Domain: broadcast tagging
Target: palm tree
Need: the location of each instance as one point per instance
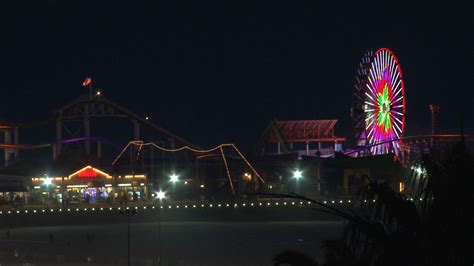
(429, 224)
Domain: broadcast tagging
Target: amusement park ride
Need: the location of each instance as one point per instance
(72, 124)
(378, 103)
(378, 111)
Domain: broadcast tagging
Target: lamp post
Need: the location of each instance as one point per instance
(161, 196)
(174, 178)
(128, 212)
(48, 182)
(297, 175)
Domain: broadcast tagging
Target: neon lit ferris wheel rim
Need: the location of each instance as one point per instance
(379, 105)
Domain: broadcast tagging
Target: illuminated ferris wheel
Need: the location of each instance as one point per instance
(378, 102)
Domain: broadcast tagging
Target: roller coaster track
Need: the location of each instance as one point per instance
(436, 137)
(45, 145)
(101, 108)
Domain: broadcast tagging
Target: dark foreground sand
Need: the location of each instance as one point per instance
(213, 238)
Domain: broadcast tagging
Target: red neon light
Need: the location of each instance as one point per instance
(87, 173)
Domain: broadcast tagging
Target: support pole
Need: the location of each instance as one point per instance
(7, 150)
(87, 133)
(55, 151)
(434, 125)
(99, 149)
(307, 148)
(59, 136)
(152, 174)
(227, 170)
(136, 130)
(16, 140)
(133, 148)
(318, 176)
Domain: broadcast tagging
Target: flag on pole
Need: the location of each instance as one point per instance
(87, 82)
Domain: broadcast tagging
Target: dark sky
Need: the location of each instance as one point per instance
(218, 72)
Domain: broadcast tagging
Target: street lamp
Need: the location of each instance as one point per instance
(47, 181)
(174, 178)
(160, 195)
(297, 174)
(128, 212)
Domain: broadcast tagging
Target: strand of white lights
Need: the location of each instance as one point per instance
(235, 205)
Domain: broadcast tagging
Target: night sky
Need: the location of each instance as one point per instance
(218, 72)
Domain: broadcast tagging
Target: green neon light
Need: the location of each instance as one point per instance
(383, 117)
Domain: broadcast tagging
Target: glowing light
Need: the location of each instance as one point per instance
(160, 195)
(247, 176)
(134, 176)
(47, 181)
(418, 170)
(174, 178)
(98, 93)
(382, 93)
(89, 172)
(297, 174)
(401, 186)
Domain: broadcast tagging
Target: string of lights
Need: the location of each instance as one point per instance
(194, 205)
(220, 147)
(169, 207)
